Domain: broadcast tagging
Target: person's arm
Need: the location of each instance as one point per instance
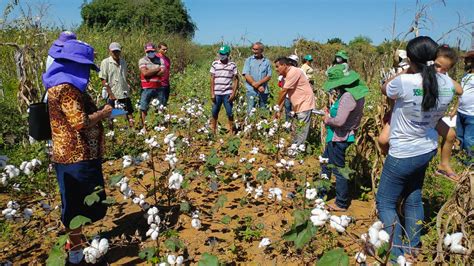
(393, 89)
(346, 105)
(150, 72)
(457, 87)
(384, 86)
(72, 106)
(213, 95)
(280, 102)
(104, 76)
(235, 87)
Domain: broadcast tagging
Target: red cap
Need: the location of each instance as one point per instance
(150, 47)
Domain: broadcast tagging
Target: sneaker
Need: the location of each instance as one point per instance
(76, 256)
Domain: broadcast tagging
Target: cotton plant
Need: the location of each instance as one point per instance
(323, 160)
(254, 150)
(294, 149)
(311, 193)
(171, 159)
(96, 250)
(360, 257)
(145, 156)
(453, 242)
(249, 189)
(402, 261)
(281, 143)
(258, 192)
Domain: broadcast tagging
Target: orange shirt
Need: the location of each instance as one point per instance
(74, 140)
(299, 90)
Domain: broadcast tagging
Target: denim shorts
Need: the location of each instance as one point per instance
(76, 181)
(222, 100)
(162, 94)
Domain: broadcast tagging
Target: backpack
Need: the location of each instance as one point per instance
(39, 126)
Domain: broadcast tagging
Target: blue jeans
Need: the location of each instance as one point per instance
(76, 181)
(465, 132)
(402, 178)
(287, 109)
(262, 100)
(147, 95)
(336, 152)
(216, 107)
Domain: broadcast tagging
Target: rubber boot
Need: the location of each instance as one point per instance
(230, 126)
(213, 125)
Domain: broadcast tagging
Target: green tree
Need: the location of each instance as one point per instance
(361, 39)
(335, 40)
(163, 16)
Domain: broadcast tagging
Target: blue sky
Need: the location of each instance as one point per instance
(279, 22)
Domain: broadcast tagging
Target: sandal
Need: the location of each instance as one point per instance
(334, 207)
(451, 176)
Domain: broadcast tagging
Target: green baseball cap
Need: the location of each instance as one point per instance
(308, 57)
(343, 54)
(225, 49)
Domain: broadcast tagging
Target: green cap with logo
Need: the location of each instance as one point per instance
(225, 49)
(308, 57)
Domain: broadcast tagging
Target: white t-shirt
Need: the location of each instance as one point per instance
(466, 101)
(412, 131)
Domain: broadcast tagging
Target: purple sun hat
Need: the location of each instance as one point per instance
(59, 43)
(77, 51)
(64, 37)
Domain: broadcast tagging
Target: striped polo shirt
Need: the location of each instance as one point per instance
(223, 76)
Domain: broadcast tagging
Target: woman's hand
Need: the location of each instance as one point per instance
(106, 111)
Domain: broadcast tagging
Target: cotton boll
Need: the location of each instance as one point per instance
(123, 187)
(373, 235)
(95, 243)
(196, 223)
(360, 257)
(401, 260)
(171, 259)
(27, 213)
(317, 211)
(311, 193)
(264, 243)
(179, 260)
(345, 220)
(364, 237)
(383, 236)
(337, 226)
(317, 221)
(103, 246)
(335, 219)
(154, 235)
(456, 238)
(378, 225)
(447, 240)
(458, 249)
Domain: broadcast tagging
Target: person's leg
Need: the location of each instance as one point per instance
(448, 136)
(287, 109)
(216, 107)
(166, 95)
(469, 136)
(263, 100)
(161, 95)
(303, 120)
(111, 121)
(342, 183)
(251, 101)
(383, 139)
(145, 99)
(228, 109)
(460, 129)
(129, 108)
(413, 209)
(391, 186)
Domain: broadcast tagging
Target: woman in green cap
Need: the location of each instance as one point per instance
(342, 123)
(307, 69)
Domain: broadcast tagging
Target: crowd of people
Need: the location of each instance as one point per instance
(419, 94)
